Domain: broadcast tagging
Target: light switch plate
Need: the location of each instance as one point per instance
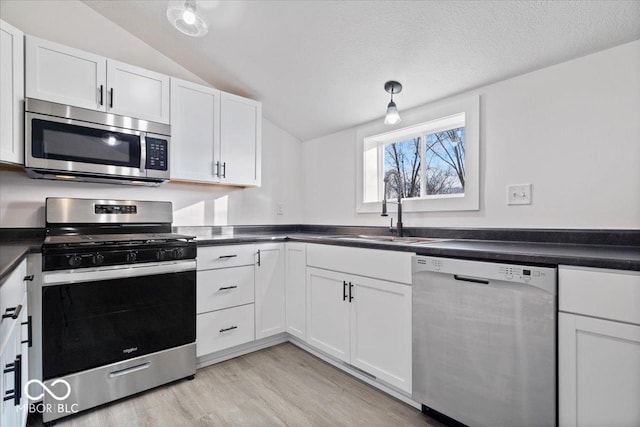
(280, 208)
(519, 194)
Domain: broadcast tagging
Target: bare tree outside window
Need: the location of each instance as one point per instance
(403, 157)
(445, 162)
(444, 169)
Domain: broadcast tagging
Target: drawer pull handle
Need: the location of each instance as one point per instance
(28, 278)
(12, 312)
(227, 256)
(16, 393)
(225, 288)
(230, 328)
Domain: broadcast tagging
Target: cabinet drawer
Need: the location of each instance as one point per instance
(385, 265)
(609, 294)
(222, 329)
(12, 292)
(225, 256)
(223, 288)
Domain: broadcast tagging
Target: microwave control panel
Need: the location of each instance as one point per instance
(157, 154)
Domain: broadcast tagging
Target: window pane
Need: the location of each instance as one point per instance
(445, 162)
(402, 168)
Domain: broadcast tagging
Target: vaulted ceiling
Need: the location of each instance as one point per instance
(319, 66)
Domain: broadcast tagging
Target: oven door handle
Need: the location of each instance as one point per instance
(52, 278)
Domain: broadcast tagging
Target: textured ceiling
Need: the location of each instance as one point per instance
(320, 66)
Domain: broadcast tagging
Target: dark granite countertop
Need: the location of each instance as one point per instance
(13, 250)
(11, 253)
(599, 256)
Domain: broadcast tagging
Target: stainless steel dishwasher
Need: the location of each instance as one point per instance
(484, 341)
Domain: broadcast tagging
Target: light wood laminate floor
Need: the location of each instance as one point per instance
(278, 386)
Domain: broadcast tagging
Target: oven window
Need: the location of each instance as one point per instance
(90, 324)
(62, 141)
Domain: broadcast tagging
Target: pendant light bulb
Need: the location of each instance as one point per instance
(392, 117)
(188, 17)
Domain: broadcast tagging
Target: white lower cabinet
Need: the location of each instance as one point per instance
(14, 349)
(225, 287)
(598, 347)
(328, 312)
(269, 283)
(221, 329)
(295, 289)
(362, 321)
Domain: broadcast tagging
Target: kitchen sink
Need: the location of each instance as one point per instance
(392, 239)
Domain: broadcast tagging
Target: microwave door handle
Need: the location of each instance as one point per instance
(143, 152)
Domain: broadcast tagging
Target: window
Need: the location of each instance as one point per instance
(432, 164)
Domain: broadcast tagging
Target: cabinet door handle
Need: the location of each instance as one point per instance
(230, 328)
(259, 258)
(217, 172)
(111, 98)
(29, 339)
(12, 312)
(350, 290)
(227, 256)
(28, 278)
(225, 288)
(344, 290)
(101, 94)
(16, 393)
(224, 169)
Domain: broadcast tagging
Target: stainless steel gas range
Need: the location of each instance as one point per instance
(115, 305)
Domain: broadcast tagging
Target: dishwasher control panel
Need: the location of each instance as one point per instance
(481, 271)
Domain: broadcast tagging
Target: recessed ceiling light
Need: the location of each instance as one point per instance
(184, 16)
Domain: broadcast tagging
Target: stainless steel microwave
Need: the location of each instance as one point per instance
(63, 142)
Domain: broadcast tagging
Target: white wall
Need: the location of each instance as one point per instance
(571, 130)
(74, 24)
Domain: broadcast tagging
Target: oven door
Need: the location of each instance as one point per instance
(63, 144)
(93, 317)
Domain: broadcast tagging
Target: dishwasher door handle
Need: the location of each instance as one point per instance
(470, 279)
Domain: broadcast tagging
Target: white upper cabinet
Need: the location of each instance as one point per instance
(216, 136)
(136, 92)
(195, 132)
(11, 94)
(65, 75)
(69, 76)
(240, 140)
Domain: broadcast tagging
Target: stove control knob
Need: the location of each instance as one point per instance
(75, 260)
(178, 253)
(161, 255)
(97, 259)
(131, 257)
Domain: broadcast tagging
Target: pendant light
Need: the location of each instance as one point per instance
(184, 16)
(392, 117)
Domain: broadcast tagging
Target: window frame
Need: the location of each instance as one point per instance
(421, 121)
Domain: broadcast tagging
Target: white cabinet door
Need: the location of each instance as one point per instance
(599, 372)
(328, 312)
(269, 283)
(22, 341)
(11, 94)
(195, 132)
(136, 92)
(381, 330)
(10, 412)
(61, 74)
(295, 289)
(240, 140)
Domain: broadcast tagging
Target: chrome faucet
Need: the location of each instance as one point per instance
(399, 225)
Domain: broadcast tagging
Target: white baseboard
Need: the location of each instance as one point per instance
(243, 349)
